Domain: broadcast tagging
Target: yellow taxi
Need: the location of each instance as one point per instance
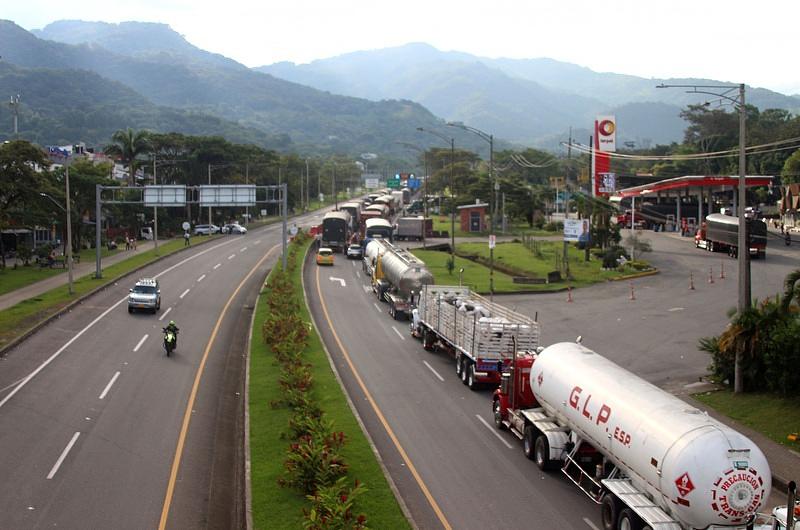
(325, 256)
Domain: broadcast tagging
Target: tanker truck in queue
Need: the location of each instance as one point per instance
(481, 335)
(397, 276)
(721, 233)
(647, 458)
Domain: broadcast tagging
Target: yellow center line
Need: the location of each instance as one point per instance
(187, 415)
(381, 417)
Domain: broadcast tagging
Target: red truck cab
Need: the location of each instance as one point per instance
(514, 391)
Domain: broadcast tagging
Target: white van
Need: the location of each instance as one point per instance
(146, 232)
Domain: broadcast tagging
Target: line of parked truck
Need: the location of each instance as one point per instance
(646, 458)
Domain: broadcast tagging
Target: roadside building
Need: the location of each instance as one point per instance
(473, 216)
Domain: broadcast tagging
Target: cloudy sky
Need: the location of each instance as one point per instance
(751, 42)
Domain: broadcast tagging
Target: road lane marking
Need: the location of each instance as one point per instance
(187, 415)
(242, 249)
(64, 454)
(257, 242)
(366, 288)
(91, 324)
(217, 266)
(398, 333)
(358, 275)
(165, 313)
(493, 431)
(232, 256)
(12, 384)
(673, 309)
(141, 341)
(340, 280)
(377, 307)
(434, 371)
(409, 464)
(184, 293)
(590, 524)
(108, 386)
(200, 279)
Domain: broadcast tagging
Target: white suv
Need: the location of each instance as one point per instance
(146, 294)
(204, 230)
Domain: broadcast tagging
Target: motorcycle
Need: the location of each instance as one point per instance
(170, 341)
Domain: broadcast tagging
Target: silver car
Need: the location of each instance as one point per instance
(146, 294)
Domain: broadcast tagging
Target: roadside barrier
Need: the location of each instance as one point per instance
(711, 275)
(633, 296)
(691, 281)
(721, 270)
(569, 294)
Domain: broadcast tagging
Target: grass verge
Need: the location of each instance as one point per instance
(277, 507)
(19, 319)
(772, 416)
(513, 256)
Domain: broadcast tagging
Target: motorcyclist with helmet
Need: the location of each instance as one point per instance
(172, 327)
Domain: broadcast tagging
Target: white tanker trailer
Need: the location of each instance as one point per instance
(397, 276)
(649, 459)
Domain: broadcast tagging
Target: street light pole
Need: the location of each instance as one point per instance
(495, 189)
(743, 252)
(452, 141)
(69, 232)
(155, 209)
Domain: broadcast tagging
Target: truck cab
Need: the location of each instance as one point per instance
(514, 393)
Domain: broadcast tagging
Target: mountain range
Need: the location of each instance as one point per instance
(83, 80)
(529, 101)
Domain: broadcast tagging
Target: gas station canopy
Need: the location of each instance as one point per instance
(693, 181)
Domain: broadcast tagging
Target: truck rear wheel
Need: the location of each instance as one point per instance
(629, 520)
(465, 364)
(528, 441)
(541, 451)
(609, 512)
(459, 367)
(471, 383)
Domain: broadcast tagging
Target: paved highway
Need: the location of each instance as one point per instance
(452, 468)
(436, 437)
(99, 429)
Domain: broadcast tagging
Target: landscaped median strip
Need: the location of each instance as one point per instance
(311, 465)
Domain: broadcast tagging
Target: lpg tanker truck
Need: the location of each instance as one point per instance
(397, 275)
(482, 336)
(648, 459)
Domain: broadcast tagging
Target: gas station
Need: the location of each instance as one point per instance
(701, 188)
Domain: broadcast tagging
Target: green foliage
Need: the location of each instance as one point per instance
(332, 507)
(611, 255)
(765, 338)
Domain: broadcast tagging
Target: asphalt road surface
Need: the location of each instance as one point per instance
(99, 429)
(450, 465)
(452, 468)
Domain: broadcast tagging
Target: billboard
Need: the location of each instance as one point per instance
(576, 230)
(228, 195)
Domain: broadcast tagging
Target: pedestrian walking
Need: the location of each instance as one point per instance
(127, 242)
(134, 243)
(186, 242)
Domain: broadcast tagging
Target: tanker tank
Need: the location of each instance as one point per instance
(698, 470)
(402, 269)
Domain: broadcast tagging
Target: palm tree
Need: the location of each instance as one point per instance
(127, 145)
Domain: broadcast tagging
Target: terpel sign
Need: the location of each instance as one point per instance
(605, 127)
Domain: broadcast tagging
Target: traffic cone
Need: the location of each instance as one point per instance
(691, 281)
(633, 296)
(569, 294)
(721, 270)
(711, 275)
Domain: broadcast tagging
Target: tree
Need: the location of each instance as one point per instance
(791, 169)
(22, 178)
(127, 146)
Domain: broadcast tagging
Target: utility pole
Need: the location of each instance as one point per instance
(155, 209)
(69, 231)
(308, 183)
(14, 104)
(209, 207)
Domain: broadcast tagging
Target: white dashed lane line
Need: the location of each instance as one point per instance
(377, 307)
(217, 266)
(64, 454)
(493, 431)
(200, 279)
(184, 293)
(432, 369)
(232, 256)
(141, 341)
(398, 333)
(108, 386)
(242, 249)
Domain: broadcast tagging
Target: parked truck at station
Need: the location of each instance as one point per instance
(416, 228)
(721, 233)
(647, 458)
(481, 335)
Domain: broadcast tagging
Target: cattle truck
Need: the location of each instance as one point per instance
(335, 230)
(480, 335)
(647, 458)
(721, 233)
